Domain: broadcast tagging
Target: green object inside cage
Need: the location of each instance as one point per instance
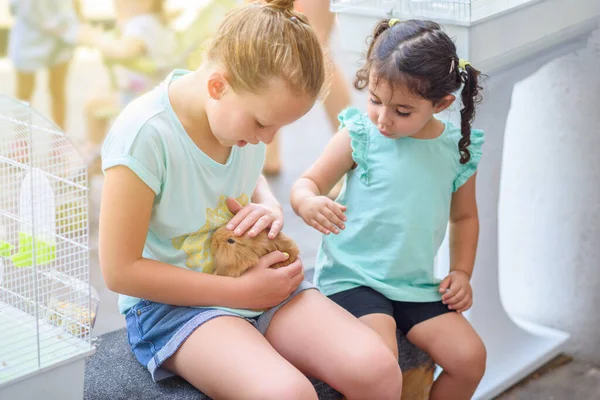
(5, 249)
(44, 252)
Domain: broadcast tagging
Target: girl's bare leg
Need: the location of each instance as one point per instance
(385, 326)
(323, 20)
(272, 158)
(57, 77)
(338, 98)
(227, 358)
(455, 346)
(326, 342)
(25, 85)
(97, 114)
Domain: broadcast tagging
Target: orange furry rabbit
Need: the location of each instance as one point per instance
(233, 255)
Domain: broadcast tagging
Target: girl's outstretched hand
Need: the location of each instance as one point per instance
(255, 217)
(458, 294)
(323, 214)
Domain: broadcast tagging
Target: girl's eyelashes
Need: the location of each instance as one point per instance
(400, 113)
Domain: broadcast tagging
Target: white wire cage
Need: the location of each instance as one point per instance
(461, 12)
(47, 305)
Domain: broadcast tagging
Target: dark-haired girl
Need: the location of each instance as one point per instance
(408, 175)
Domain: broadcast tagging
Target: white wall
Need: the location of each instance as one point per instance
(550, 199)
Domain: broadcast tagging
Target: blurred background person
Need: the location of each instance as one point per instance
(43, 36)
(142, 30)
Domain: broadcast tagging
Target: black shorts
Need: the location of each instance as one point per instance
(363, 301)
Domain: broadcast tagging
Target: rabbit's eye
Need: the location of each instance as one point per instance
(230, 240)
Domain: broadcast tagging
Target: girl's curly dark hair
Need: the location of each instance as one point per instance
(420, 56)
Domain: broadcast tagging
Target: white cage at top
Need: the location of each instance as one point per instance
(461, 12)
(47, 305)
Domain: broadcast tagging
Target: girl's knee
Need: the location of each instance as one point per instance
(478, 358)
(375, 373)
(387, 378)
(469, 361)
(292, 387)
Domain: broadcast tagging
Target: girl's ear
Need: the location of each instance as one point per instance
(216, 85)
(444, 103)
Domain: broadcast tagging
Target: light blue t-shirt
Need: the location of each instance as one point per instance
(190, 187)
(398, 206)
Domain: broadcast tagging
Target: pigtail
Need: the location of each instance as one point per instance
(362, 75)
(470, 96)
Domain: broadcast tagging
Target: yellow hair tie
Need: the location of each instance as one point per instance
(462, 64)
(393, 21)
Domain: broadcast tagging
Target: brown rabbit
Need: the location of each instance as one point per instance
(233, 255)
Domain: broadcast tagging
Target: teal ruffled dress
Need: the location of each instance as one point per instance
(398, 206)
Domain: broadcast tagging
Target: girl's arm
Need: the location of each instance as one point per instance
(322, 176)
(124, 221)
(464, 228)
(308, 193)
(320, 18)
(118, 49)
(263, 194)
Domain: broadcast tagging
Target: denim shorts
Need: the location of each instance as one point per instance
(155, 331)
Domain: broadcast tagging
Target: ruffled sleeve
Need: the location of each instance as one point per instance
(358, 129)
(467, 170)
